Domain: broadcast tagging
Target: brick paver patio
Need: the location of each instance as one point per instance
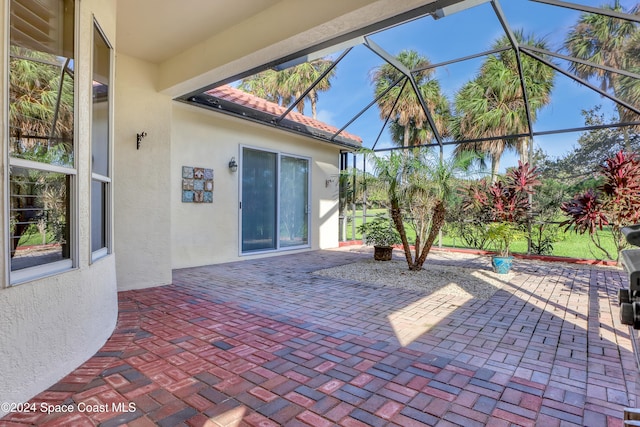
(268, 343)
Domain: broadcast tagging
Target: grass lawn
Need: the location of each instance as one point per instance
(32, 237)
(570, 244)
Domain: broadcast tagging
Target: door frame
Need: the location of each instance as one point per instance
(279, 155)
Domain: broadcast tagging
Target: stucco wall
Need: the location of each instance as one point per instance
(142, 217)
(207, 233)
(51, 325)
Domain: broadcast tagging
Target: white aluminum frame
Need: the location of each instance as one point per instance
(108, 208)
(40, 271)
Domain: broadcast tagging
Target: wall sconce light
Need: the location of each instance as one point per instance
(233, 165)
(139, 137)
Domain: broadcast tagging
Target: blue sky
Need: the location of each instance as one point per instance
(465, 33)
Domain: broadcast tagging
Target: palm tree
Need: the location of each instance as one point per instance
(267, 85)
(41, 122)
(629, 89)
(408, 114)
(416, 135)
(302, 76)
(418, 190)
(493, 105)
(604, 40)
(477, 117)
(41, 103)
(284, 87)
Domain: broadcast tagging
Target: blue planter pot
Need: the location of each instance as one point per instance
(501, 264)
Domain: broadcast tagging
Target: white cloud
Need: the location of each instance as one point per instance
(327, 117)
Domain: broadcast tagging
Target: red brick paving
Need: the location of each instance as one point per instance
(268, 343)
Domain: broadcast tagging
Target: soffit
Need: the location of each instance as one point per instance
(156, 30)
(196, 42)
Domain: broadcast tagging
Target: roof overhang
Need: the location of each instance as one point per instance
(233, 109)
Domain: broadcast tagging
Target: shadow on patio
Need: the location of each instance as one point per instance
(267, 343)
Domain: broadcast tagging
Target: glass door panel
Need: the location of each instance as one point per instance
(259, 196)
(294, 201)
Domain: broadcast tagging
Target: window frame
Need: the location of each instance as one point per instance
(52, 268)
(16, 277)
(105, 180)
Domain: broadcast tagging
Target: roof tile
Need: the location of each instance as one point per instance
(231, 94)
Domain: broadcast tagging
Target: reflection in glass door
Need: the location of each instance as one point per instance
(294, 201)
(259, 192)
(275, 201)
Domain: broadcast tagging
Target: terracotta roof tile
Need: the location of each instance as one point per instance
(239, 97)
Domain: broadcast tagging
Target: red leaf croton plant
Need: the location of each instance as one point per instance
(616, 202)
(503, 207)
(506, 200)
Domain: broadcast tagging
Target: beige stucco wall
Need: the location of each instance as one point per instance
(206, 233)
(142, 181)
(51, 325)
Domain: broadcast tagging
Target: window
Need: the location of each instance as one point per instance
(275, 201)
(100, 142)
(41, 137)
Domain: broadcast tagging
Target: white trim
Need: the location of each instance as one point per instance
(74, 215)
(45, 167)
(100, 253)
(108, 189)
(74, 190)
(101, 178)
(37, 272)
(107, 225)
(6, 233)
(239, 203)
(112, 118)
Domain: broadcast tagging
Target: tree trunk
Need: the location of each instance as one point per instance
(18, 232)
(405, 138)
(313, 96)
(436, 224)
(596, 241)
(524, 150)
(627, 140)
(495, 165)
(300, 104)
(396, 216)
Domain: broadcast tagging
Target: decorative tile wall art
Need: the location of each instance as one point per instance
(197, 185)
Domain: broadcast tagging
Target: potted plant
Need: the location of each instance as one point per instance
(504, 205)
(380, 234)
(502, 235)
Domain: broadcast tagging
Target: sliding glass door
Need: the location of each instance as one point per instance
(259, 194)
(294, 201)
(275, 201)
